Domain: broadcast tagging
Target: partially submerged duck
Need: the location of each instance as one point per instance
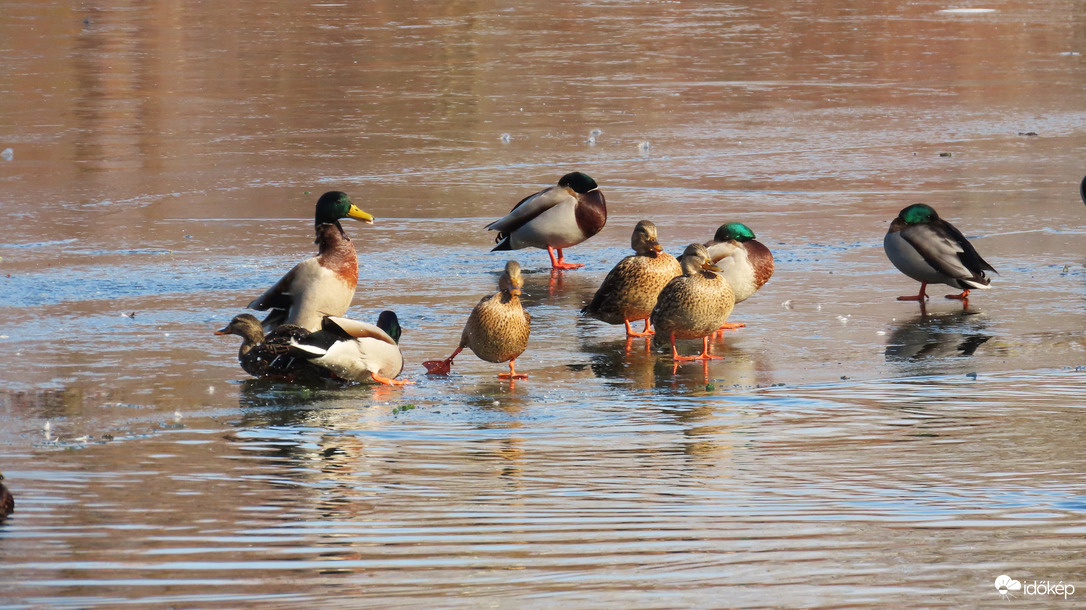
(930, 250)
(497, 329)
(554, 218)
(693, 305)
(323, 285)
(629, 291)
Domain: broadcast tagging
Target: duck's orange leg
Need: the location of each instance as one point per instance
(560, 261)
(387, 381)
(441, 367)
(920, 297)
(964, 296)
(704, 355)
(630, 332)
(513, 374)
(731, 326)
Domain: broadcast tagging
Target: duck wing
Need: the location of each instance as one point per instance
(944, 247)
(347, 328)
(530, 207)
(278, 296)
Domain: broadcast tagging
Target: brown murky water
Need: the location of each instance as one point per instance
(848, 452)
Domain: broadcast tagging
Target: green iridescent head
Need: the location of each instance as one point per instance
(918, 214)
(334, 205)
(388, 322)
(579, 182)
(734, 230)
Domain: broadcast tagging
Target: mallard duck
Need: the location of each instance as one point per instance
(356, 351)
(693, 305)
(554, 218)
(7, 501)
(931, 251)
(629, 291)
(323, 285)
(269, 356)
(497, 329)
(744, 262)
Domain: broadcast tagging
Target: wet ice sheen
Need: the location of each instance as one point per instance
(848, 450)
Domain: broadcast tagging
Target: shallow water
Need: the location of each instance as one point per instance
(849, 451)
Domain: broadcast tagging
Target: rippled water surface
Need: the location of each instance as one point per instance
(850, 450)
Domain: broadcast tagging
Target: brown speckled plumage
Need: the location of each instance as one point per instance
(267, 356)
(7, 501)
(498, 327)
(629, 291)
(695, 304)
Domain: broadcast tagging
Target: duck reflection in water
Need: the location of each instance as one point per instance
(937, 336)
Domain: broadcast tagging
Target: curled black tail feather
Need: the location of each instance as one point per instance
(503, 243)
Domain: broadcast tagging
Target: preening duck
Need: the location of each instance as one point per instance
(324, 284)
(497, 329)
(693, 305)
(356, 351)
(629, 291)
(554, 218)
(930, 250)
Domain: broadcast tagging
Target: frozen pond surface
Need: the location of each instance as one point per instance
(849, 451)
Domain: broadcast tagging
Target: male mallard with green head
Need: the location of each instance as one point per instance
(323, 285)
(744, 262)
(930, 250)
(554, 218)
(693, 305)
(629, 291)
(356, 351)
(497, 329)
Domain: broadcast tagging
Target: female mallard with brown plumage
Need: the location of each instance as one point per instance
(744, 262)
(324, 284)
(629, 291)
(497, 329)
(7, 501)
(693, 305)
(268, 356)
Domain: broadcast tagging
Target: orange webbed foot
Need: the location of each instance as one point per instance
(438, 367)
(388, 381)
(630, 332)
(512, 374)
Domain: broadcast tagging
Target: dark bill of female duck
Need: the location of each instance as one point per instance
(324, 284)
(554, 219)
(930, 250)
